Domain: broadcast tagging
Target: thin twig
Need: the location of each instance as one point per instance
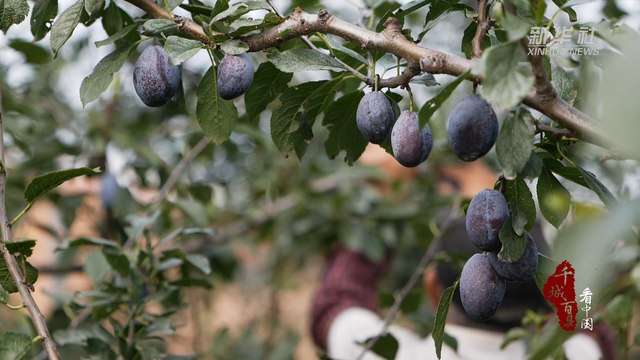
(84, 314)
(483, 27)
(558, 133)
(393, 311)
(12, 265)
(178, 170)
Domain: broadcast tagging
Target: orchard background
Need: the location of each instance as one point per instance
(180, 246)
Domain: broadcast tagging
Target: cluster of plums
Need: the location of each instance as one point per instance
(473, 129)
(156, 81)
(484, 276)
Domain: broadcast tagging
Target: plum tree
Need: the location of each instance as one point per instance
(481, 288)
(235, 75)
(155, 80)
(374, 117)
(473, 128)
(487, 213)
(523, 269)
(410, 147)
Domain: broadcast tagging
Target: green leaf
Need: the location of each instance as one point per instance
(239, 9)
(4, 295)
(546, 268)
(303, 60)
(68, 244)
(467, 40)
(12, 12)
(96, 267)
(516, 191)
(268, 83)
(431, 106)
(154, 27)
(451, 342)
(514, 334)
(345, 50)
(243, 26)
(562, 4)
(563, 83)
(512, 244)
(42, 184)
(425, 79)
(515, 27)
(216, 117)
(43, 12)
(441, 316)
(553, 198)
(203, 283)
(200, 262)
(21, 246)
(93, 6)
(33, 53)
(386, 347)
(72, 337)
(340, 119)
(63, 27)
(532, 168)
(518, 218)
(14, 346)
(6, 282)
(515, 142)
(609, 200)
(169, 4)
(102, 75)
(179, 49)
(551, 339)
(115, 19)
(117, 260)
(507, 74)
(220, 6)
(439, 10)
(568, 172)
(117, 36)
(292, 121)
(234, 47)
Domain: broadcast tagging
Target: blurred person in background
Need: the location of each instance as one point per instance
(345, 311)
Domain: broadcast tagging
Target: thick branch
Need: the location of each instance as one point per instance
(11, 263)
(391, 40)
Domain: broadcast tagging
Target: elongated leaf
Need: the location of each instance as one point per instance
(563, 4)
(64, 26)
(515, 142)
(268, 83)
(72, 337)
(216, 117)
(303, 60)
(517, 191)
(386, 346)
(156, 26)
(33, 53)
(431, 106)
(340, 119)
(199, 261)
(12, 12)
(553, 198)
(343, 49)
(609, 200)
(507, 73)
(14, 346)
(239, 9)
(6, 281)
(563, 83)
(42, 184)
(180, 49)
(512, 244)
(292, 121)
(86, 241)
(234, 47)
(441, 316)
(439, 10)
(102, 75)
(568, 172)
(243, 26)
(93, 6)
(117, 36)
(43, 12)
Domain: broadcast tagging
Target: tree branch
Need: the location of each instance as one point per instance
(483, 27)
(393, 311)
(559, 133)
(391, 40)
(12, 265)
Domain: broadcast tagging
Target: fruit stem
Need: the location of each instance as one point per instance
(408, 88)
(375, 86)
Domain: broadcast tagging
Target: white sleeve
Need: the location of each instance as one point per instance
(582, 347)
(357, 325)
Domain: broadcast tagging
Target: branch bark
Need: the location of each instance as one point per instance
(483, 27)
(12, 265)
(391, 40)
